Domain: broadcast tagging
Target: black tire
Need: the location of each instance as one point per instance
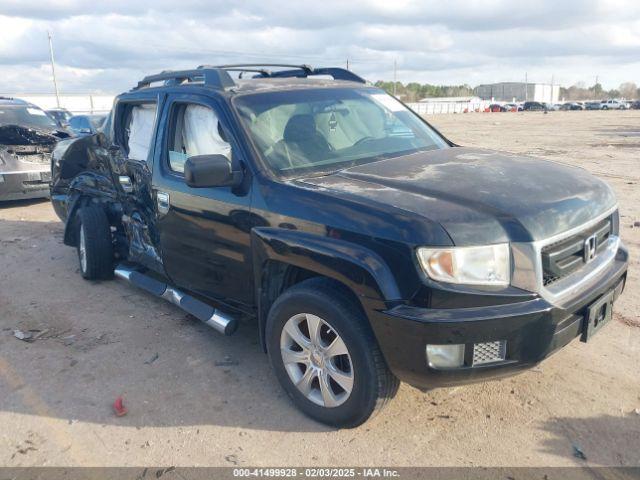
(373, 384)
(98, 244)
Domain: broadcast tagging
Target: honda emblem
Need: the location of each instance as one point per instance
(589, 249)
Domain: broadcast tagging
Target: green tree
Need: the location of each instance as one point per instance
(628, 90)
(597, 91)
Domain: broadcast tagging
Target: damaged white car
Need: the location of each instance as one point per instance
(27, 137)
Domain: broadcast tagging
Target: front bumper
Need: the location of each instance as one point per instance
(24, 185)
(533, 330)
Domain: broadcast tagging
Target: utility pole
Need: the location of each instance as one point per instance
(526, 87)
(395, 78)
(551, 94)
(53, 69)
(347, 64)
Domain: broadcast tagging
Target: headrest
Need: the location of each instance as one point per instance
(299, 128)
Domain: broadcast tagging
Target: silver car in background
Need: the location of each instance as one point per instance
(27, 137)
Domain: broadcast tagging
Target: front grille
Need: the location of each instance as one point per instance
(489, 352)
(40, 154)
(566, 256)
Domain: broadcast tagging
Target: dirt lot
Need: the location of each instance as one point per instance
(196, 398)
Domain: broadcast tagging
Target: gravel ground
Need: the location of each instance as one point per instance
(196, 398)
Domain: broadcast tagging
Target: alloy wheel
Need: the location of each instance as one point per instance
(317, 360)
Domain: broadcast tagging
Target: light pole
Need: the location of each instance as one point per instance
(394, 77)
(53, 69)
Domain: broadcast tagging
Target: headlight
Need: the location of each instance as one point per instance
(486, 265)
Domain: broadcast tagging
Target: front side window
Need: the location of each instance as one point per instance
(196, 131)
(307, 131)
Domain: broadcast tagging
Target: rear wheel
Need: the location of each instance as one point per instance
(325, 355)
(94, 243)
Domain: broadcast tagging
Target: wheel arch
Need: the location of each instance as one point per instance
(282, 258)
(88, 187)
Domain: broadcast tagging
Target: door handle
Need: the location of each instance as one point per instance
(162, 200)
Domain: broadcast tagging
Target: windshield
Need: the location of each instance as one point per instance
(28, 116)
(324, 130)
(88, 122)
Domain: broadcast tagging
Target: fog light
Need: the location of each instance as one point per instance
(445, 356)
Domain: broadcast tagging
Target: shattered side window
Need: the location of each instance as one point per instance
(141, 125)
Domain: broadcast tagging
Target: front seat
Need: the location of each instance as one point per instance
(302, 143)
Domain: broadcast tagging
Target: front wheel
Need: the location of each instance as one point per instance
(325, 355)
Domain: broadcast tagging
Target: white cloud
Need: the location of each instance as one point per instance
(108, 46)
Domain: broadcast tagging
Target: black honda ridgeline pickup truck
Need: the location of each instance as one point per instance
(367, 247)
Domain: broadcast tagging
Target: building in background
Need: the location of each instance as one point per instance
(76, 103)
(519, 92)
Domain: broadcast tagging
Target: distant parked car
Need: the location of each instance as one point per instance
(60, 115)
(572, 106)
(635, 105)
(554, 107)
(613, 104)
(512, 107)
(495, 107)
(593, 105)
(534, 106)
(82, 125)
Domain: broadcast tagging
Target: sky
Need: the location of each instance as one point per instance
(107, 46)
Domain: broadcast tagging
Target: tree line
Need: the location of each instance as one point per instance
(627, 90)
(413, 92)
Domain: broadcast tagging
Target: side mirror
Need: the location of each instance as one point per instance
(210, 171)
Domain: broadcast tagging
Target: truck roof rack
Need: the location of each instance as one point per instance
(217, 76)
(296, 71)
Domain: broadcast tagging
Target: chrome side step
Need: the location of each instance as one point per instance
(207, 314)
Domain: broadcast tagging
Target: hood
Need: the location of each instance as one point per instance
(479, 196)
(23, 135)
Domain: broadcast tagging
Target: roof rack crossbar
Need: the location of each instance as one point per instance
(218, 76)
(243, 66)
(260, 71)
(299, 71)
(335, 72)
(215, 77)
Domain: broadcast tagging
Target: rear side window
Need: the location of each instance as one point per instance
(141, 120)
(196, 131)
